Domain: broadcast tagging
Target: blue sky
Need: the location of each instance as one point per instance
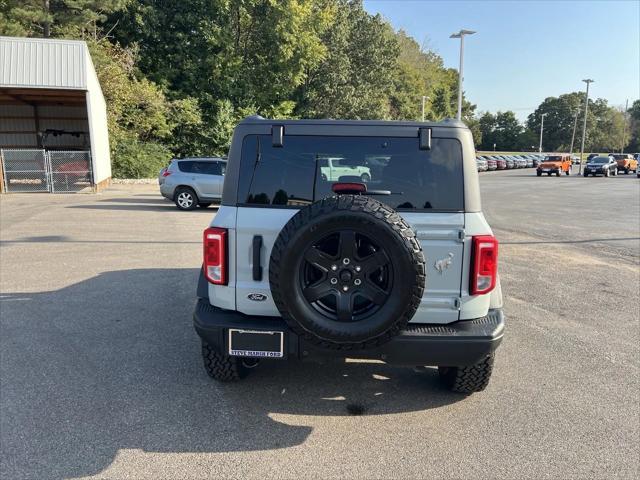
(525, 51)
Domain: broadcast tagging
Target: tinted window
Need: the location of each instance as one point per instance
(297, 173)
(186, 166)
(208, 168)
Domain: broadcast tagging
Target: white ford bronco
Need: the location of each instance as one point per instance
(401, 267)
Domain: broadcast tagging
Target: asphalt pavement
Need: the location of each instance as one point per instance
(101, 373)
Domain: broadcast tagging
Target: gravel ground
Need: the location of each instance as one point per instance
(101, 372)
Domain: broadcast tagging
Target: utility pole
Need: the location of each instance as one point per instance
(573, 135)
(541, 130)
(588, 81)
(461, 35)
(624, 128)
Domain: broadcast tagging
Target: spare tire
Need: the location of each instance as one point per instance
(347, 272)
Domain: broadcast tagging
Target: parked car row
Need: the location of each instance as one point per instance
(611, 164)
(506, 162)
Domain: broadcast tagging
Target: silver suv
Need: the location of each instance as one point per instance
(400, 268)
(190, 182)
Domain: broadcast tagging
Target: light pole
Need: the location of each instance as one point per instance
(584, 123)
(424, 99)
(461, 35)
(541, 130)
(573, 135)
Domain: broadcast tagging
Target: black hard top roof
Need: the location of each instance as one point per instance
(259, 120)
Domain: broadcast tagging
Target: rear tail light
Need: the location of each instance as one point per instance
(484, 264)
(349, 187)
(215, 255)
(166, 173)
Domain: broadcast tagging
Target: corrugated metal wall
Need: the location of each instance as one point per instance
(18, 126)
(47, 65)
(30, 62)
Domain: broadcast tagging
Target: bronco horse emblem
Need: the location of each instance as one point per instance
(442, 265)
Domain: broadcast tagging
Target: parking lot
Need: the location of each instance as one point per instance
(101, 370)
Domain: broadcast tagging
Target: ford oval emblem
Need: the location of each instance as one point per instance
(257, 297)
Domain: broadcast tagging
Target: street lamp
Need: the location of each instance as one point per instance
(541, 130)
(584, 123)
(461, 35)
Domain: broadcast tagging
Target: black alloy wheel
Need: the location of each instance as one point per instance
(346, 276)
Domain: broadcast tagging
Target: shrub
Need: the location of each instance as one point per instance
(132, 158)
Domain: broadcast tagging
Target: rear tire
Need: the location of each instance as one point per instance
(568, 172)
(558, 173)
(539, 174)
(473, 378)
(186, 198)
(585, 174)
(626, 171)
(221, 367)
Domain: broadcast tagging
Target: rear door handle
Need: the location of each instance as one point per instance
(257, 268)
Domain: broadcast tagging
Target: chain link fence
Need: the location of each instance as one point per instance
(70, 171)
(25, 170)
(31, 170)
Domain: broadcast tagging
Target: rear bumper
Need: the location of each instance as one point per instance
(461, 343)
(167, 191)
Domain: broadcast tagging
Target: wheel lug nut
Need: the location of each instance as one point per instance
(358, 268)
(357, 281)
(334, 267)
(345, 288)
(334, 281)
(346, 261)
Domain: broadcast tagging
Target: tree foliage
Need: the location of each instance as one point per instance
(604, 123)
(178, 76)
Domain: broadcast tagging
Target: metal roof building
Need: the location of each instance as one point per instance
(53, 117)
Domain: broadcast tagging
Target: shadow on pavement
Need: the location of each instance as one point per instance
(558, 242)
(66, 239)
(113, 363)
(149, 201)
(146, 206)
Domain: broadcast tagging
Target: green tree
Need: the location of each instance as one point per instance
(633, 127)
(356, 75)
(604, 123)
(501, 129)
(559, 120)
(55, 18)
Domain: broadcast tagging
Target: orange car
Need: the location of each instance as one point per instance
(626, 162)
(556, 163)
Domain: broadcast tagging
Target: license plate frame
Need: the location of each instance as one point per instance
(267, 343)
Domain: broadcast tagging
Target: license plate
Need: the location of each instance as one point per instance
(256, 343)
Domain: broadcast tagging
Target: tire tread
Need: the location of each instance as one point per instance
(468, 379)
(377, 210)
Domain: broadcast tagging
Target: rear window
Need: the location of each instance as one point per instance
(306, 167)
